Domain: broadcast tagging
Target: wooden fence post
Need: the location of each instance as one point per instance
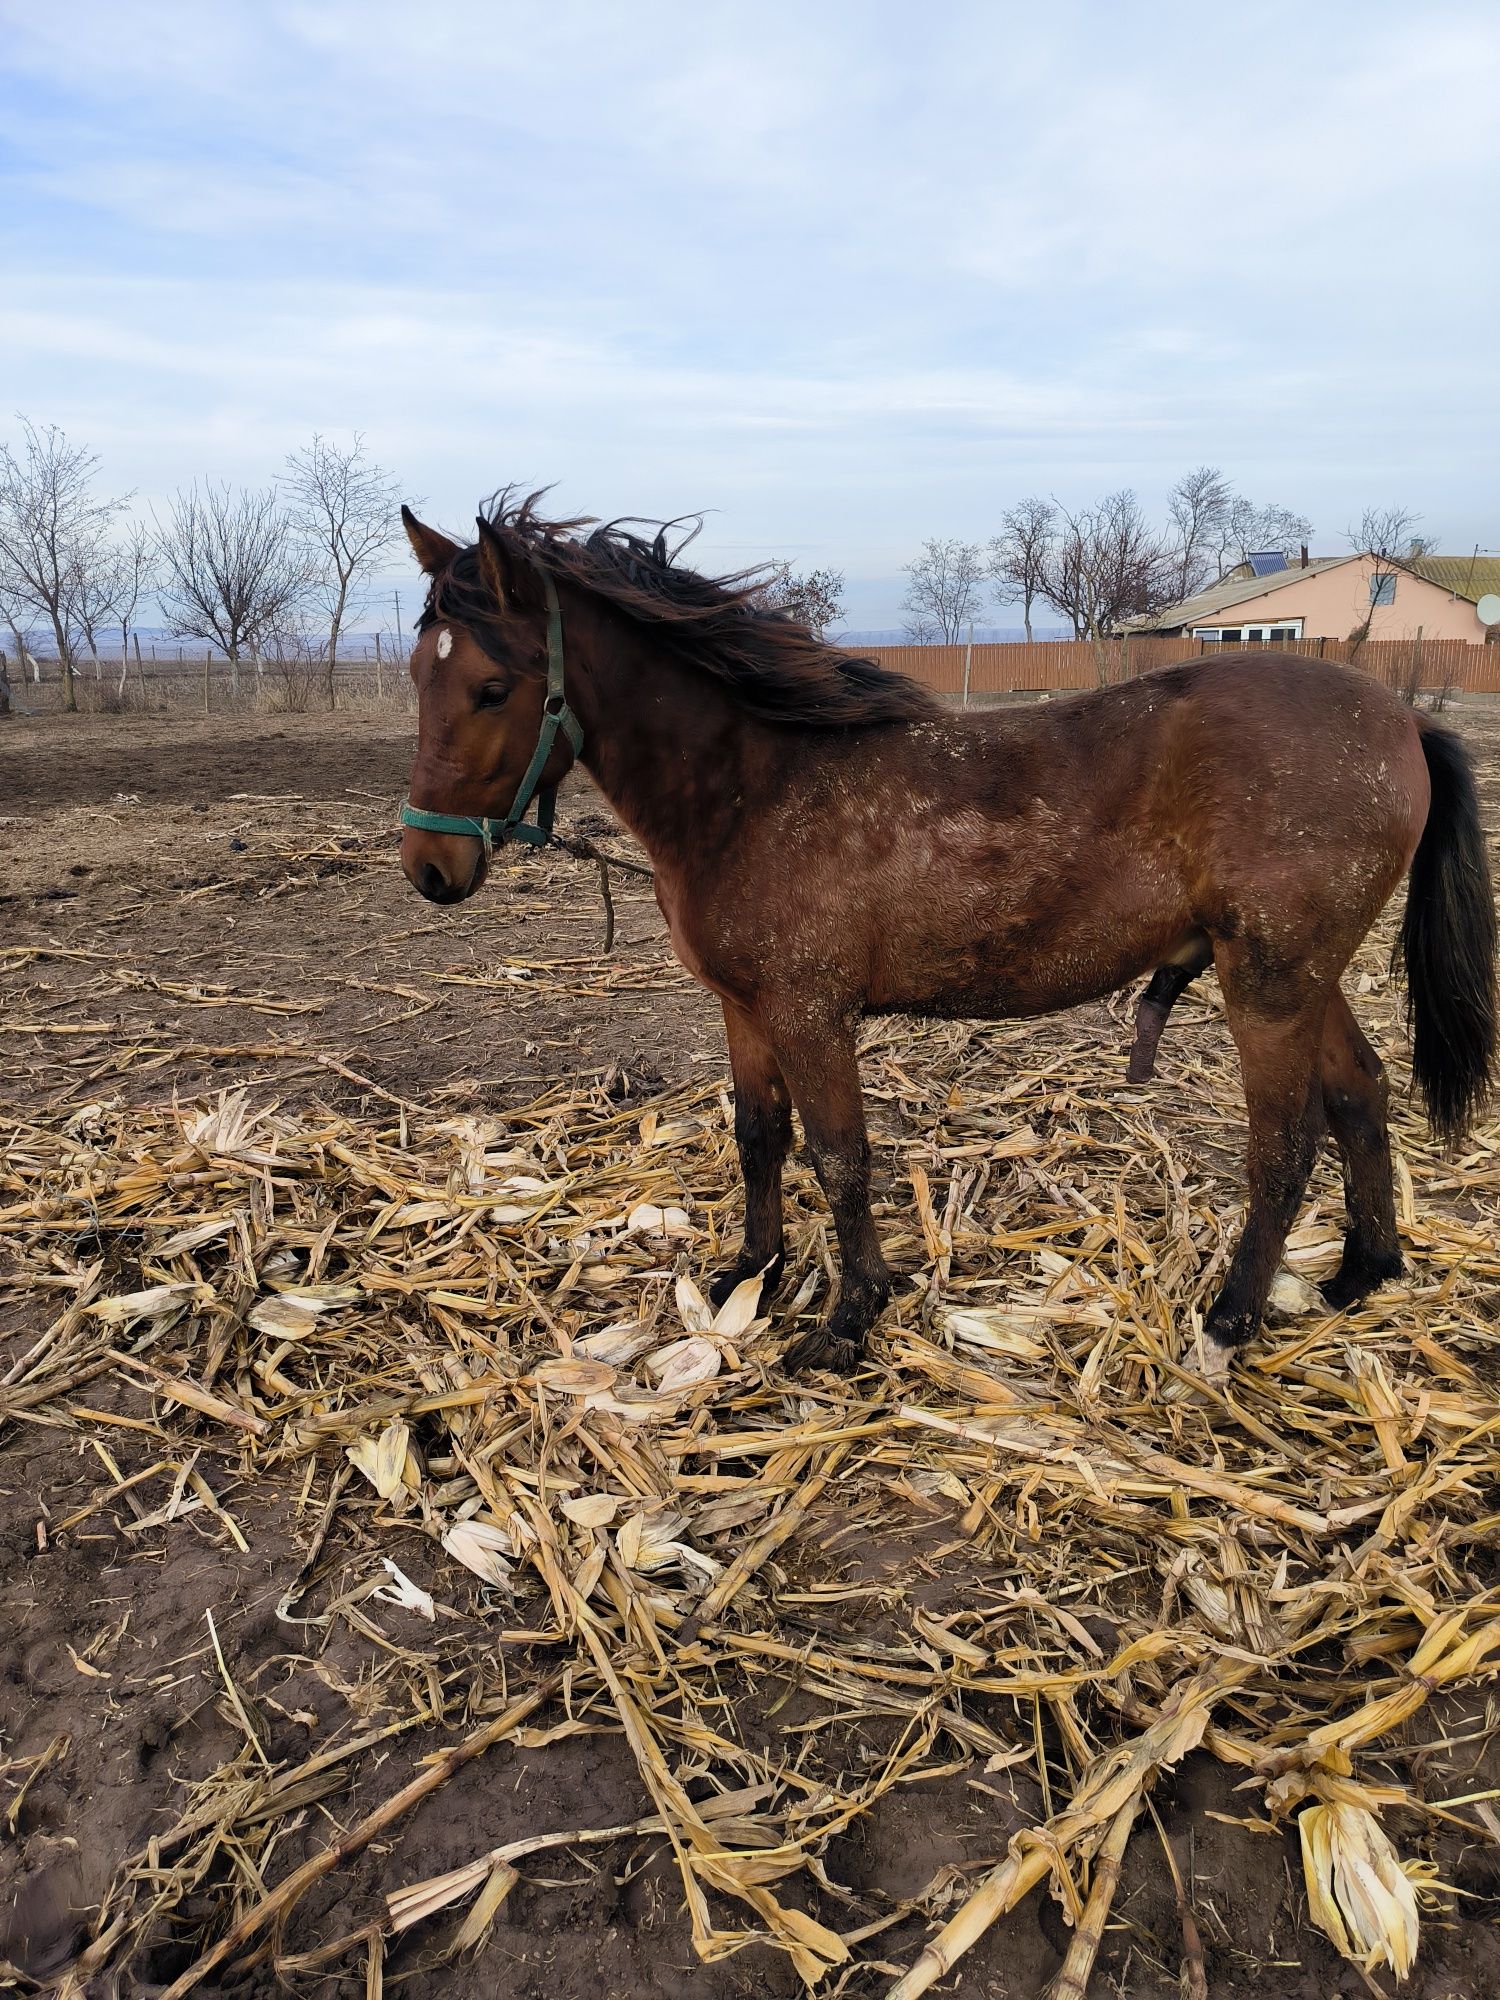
(968, 658)
(379, 672)
(207, 656)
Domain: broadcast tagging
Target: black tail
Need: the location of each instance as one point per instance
(1447, 944)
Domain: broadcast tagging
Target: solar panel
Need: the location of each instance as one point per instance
(1266, 562)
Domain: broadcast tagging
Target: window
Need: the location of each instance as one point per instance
(1251, 635)
(1382, 588)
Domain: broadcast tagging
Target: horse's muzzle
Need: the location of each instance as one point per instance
(444, 870)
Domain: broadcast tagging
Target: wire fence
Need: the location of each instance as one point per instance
(210, 684)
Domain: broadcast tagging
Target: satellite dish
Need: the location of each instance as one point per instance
(1488, 609)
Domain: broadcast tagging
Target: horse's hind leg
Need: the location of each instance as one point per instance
(763, 1133)
(1278, 1031)
(1355, 1096)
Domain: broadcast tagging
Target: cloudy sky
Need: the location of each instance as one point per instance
(845, 275)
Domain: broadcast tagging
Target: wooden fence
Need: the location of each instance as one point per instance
(1062, 664)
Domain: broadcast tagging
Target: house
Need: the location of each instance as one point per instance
(1328, 597)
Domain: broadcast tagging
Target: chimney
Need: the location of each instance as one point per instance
(1304, 555)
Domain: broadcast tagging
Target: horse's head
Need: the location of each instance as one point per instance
(480, 665)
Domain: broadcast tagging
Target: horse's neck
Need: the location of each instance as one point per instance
(668, 748)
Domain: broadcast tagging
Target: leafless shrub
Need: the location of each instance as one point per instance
(102, 697)
(293, 668)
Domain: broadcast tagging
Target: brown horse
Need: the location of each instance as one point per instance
(829, 842)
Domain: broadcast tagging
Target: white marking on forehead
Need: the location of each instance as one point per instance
(445, 643)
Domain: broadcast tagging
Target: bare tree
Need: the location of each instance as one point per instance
(346, 510)
(1019, 554)
(230, 567)
(94, 598)
(10, 612)
(944, 588)
(1108, 564)
(52, 531)
(17, 617)
(1245, 529)
(814, 597)
(1200, 504)
(1385, 533)
(135, 568)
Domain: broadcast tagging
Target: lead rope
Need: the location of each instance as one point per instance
(585, 850)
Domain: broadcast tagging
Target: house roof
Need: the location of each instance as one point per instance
(1472, 577)
(1469, 577)
(1224, 596)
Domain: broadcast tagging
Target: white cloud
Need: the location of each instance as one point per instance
(849, 274)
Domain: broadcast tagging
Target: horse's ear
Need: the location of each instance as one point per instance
(432, 550)
(511, 580)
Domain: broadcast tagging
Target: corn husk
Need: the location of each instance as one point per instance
(1357, 1890)
(1021, 1544)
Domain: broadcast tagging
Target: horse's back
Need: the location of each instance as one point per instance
(1268, 726)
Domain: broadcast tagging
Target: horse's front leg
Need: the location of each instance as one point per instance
(763, 1134)
(823, 1074)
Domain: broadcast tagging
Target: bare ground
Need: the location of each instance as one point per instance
(186, 905)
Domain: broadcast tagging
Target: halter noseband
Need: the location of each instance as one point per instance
(556, 715)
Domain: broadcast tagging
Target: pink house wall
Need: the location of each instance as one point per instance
(1331, 602)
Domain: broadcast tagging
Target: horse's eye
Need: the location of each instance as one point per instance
(494, 694)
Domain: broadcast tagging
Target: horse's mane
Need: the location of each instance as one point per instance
(724, 626)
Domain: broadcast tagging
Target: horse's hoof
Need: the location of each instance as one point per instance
(746, 1267)
(822, 1348)
(1357, 1277)
(1210, 1358)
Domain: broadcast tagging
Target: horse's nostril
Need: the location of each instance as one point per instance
(432, 882)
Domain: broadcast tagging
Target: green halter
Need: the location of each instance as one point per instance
(556, 715)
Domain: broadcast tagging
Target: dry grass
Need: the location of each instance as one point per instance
(490, 1332)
